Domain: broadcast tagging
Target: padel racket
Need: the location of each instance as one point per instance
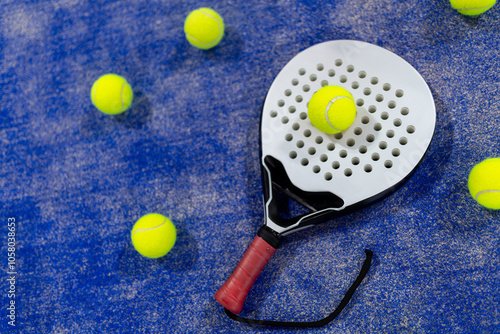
(332, 175)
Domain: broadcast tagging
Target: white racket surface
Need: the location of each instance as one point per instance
(392, 130)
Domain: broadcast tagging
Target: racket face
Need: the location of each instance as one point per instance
(392, 130)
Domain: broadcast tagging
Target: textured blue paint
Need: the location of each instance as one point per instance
(76, 180)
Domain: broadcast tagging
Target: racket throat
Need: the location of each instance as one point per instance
(286, 204)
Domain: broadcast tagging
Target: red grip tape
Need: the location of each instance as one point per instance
(233, 293)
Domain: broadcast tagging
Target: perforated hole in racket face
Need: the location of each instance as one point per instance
(392, 130)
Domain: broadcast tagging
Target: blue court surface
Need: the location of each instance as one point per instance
(73, 180)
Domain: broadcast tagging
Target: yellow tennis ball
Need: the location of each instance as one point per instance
(111, 94)
(484, 183)
(204, 28)
(153, 235)
(332, 109)
(472, 7)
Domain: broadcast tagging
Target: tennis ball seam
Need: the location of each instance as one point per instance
(470, 9)
(149, 229)
(219, 36)
(329, 105)
(121, 96)
(486, 191)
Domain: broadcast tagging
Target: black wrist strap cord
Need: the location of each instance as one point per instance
(364, 270)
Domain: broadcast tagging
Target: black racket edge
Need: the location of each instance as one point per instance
(319, 323)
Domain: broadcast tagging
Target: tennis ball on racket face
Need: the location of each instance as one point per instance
(484, 183)
(332, 109)
(153, 235)
(472, 7)
(204, 28)
(111, 94)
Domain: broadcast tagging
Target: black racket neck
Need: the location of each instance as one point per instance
(269, 236)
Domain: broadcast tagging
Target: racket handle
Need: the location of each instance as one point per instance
(233, 293)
